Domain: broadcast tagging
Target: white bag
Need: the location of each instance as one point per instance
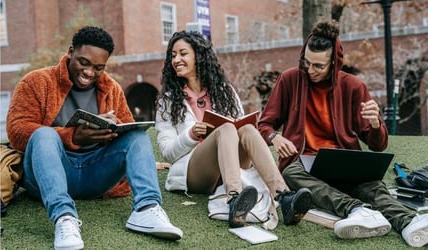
(264, 211)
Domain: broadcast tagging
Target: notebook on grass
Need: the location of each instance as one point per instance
(253, 234)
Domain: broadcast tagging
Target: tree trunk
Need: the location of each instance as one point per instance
(314, 11)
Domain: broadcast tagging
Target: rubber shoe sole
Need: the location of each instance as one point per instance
(164, 233)
(358, 231)
(300, 204)
(78, 246)
(243, 204)
(418, 238)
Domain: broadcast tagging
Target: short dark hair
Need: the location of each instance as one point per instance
(95, 36)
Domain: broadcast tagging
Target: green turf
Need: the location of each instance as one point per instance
(27, 227)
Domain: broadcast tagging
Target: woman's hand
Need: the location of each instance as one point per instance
(200, 129)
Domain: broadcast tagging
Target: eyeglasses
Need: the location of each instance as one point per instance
(318, 67)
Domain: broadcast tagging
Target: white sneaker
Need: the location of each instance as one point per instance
(362, 223)
(154, 221)
(416, 232)
(67, 233)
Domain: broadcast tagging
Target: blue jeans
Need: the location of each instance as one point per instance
(56, 176)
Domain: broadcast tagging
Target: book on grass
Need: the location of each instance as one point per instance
(217, 120)
(253, 234)
(408, 200)
(321, 217)
(98, 122)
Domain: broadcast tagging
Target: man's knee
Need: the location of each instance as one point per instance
(137, 139)
(292, 170)
(292, 173)
(45, 134)
(135, 136)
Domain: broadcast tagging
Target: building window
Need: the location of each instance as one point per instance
(283, 1)
(4, 101)
(3, 25)
(169, 21)
(284, 32)
(232, 30)
(259, 31)
(425, 22)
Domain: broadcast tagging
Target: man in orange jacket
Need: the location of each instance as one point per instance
(62, 163)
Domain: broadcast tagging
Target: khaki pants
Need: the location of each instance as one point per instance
(342, 201)
(224, 152)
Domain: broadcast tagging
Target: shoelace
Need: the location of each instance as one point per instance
(232, 195)
(69, 227)
(160, 213)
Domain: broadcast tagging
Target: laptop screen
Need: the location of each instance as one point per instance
(343, 166)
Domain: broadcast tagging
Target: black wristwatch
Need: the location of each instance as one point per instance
(271, 136)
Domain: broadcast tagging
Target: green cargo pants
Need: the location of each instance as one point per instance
(340, 201)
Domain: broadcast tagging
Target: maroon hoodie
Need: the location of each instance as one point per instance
(286, 107)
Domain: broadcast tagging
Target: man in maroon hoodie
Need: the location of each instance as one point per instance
(320, 106)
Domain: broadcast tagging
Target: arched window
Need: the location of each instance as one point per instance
(141, 98)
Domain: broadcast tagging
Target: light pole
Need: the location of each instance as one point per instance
(390, 110)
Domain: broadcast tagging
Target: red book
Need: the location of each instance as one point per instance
(217, 120)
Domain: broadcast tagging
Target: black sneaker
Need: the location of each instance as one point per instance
(240, 205)
(294, 205)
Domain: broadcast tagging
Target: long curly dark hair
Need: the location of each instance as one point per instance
(208, 72)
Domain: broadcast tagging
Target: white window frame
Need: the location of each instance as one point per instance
(425, 22)
(284, 32)
(235, 31)
(173, 21)
(5, 97)
(283, 1)
(261, 31)
(3, 26)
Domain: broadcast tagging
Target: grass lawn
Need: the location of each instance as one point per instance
(26, 225)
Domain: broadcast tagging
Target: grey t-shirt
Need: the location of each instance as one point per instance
(77, 99)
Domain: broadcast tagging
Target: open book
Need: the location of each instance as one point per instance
(217, 120)
(98, 122)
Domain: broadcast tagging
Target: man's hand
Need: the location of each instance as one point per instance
(83, 135)
(199, 130)
(110, 115)
(283, 147)
(370, 111)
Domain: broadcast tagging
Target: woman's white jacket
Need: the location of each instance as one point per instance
(176, 145)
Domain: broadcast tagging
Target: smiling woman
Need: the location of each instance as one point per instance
(194, 82)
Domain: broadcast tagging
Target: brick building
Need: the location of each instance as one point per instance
(250, 38)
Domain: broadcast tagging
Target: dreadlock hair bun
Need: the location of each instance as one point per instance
(326, 29)
(323, 36)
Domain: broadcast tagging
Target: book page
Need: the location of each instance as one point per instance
(95, 121)
(251, 118)
(124, 127)
(215, 119)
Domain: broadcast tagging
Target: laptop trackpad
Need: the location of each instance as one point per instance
(307, 161)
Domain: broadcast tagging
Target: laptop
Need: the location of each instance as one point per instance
(339, 167)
